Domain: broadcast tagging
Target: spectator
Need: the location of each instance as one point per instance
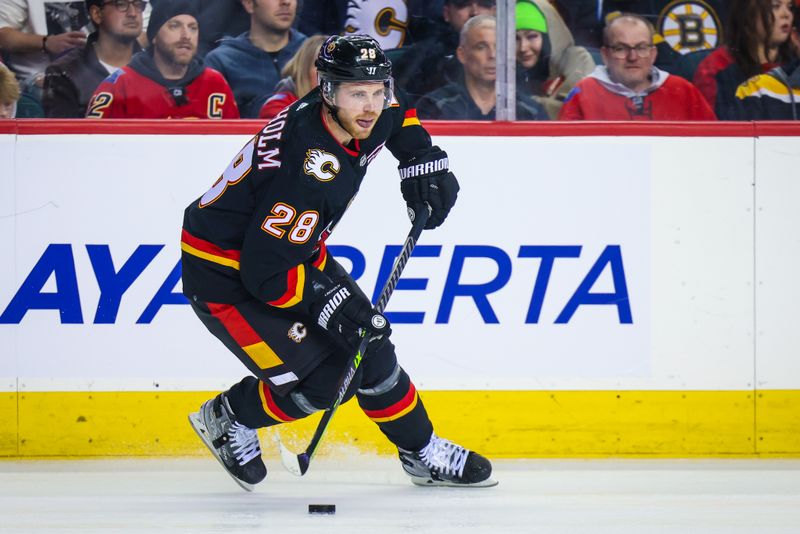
(629, 87)
(771, 96)
(667, 58)
(299, 78)
(32, 32)
(774, 95)
(167, 80)
(21, 106)
(548, 62)
(71, 80)
(429, 63)
(474, 98)
(9, 93)
(252, 62)
(758, 40)
(220, 19)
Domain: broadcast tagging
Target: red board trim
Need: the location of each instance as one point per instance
(438, 128)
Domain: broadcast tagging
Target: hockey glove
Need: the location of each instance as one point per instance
(344, 312)
(427, 180)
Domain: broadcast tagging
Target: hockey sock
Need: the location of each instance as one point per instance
(396, 407)
(256, 406)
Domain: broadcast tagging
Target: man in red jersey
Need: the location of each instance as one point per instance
(628, 86)
(167, 81)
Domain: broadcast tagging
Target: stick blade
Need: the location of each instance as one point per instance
(296, 464)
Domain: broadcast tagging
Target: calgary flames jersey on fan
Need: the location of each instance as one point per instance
(260, 230)
(128, 94)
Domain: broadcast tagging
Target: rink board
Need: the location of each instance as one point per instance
(637, 299)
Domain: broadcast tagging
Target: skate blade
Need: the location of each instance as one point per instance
(200, 428)
(429, 482)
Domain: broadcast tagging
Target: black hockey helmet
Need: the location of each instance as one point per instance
(352, 58)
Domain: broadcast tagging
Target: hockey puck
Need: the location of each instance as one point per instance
(322, 509)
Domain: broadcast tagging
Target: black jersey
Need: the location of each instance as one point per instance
(260, 231)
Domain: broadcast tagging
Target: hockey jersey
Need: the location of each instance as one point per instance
(260, 230)
(771, 96)
(718, 76)
(138, 91)
(669, 98)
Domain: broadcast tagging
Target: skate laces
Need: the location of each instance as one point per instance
(444, 456)
(244, 442)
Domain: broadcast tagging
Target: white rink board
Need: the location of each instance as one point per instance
(8, 350)
(680, 211)
(777, 262)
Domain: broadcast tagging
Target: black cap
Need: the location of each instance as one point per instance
(165, 10)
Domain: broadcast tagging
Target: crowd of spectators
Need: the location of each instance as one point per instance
(576, 59)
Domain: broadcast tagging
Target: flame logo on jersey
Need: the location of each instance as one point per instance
(297, 332)
(321, 165)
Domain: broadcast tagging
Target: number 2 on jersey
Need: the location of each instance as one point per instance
(283, 215)
(237, 169)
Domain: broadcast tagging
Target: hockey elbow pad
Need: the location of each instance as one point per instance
(427, 181)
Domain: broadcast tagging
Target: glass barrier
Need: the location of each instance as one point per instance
(454, 59)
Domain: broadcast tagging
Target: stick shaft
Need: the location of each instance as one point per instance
(344, 382)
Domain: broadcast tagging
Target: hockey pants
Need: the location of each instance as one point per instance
(383, 389)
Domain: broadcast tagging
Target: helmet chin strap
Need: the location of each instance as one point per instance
(334, 111)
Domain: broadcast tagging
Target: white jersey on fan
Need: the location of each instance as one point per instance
(384, 20)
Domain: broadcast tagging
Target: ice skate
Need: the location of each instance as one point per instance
(443, 463)
(234, 445)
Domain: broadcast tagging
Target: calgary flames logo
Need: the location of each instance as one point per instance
(297, 332)
(321, 165)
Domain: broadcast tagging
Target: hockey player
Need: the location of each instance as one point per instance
(258, 275)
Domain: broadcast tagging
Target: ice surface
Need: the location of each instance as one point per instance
(373, 495)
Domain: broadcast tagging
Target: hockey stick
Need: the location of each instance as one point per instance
(297, 464)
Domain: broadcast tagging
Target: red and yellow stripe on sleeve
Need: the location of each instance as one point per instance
(209, 251)
(322, 257)
(295, 282)
(396, 410)
(410, 118)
